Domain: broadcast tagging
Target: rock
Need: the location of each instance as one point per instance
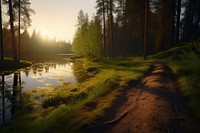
(92, 70)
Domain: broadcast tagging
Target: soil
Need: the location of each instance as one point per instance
(154, 104)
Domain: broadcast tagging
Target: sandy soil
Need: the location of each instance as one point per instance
(154, 104)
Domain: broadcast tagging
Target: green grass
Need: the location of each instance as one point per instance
(186, 64)
(71, 108)
(178, 53)
(8, 65)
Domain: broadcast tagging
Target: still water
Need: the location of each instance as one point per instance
(44, 77)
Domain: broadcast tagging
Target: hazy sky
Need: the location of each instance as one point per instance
(57, 18)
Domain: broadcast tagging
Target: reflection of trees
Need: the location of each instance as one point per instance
(26, 71)
(34, 70)
(11, 95)
(79, 72)
(17, 96)
(38, 68)
(3, 97)
(46, 68)
(14, 96)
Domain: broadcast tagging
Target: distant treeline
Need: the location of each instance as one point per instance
(15, 42)
(122, 27)
(35, 45)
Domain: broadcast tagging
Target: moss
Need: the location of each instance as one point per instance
(178, 53)
(8, 65)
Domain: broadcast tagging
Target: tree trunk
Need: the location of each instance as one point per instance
(178, 21)
(125, 42)
(19, 41)
(189, 16)
(104, 29)
(145, 29)
(108, 30)
(12, 31)
(111, 29)
(1, 34)
(173, 6)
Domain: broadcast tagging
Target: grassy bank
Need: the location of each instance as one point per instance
(185, 61)
(8, 65)
(71, 109)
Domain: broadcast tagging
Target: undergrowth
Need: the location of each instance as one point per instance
(185, 61)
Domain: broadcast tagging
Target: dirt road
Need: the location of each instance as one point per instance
(153, 105)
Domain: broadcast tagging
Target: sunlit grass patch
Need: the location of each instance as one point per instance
(66, 84)
(94, 87)
(49, 85)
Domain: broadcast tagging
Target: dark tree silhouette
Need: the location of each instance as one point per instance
(173, 15)
(111, 30)
(12, 31)
(1, 33)
(104, 27)
(145, 28)
(19, 26)
(178, 21)
(101, 11)
(191, 20)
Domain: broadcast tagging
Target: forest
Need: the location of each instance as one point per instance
(133, 66)
(126, 25)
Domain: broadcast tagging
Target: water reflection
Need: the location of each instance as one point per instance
(3, 99)
(45, 75)
(38, 81)
(10, 97)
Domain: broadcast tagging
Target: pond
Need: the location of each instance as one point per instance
(42, 77)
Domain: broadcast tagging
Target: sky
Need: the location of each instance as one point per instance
(57, 18)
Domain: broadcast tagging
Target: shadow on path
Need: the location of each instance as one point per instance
(153, 104)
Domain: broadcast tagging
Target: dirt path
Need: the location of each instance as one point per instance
(154, 105)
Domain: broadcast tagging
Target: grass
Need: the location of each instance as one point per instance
(8, 65)
(179, 52)
(71, 109)
(186, 64)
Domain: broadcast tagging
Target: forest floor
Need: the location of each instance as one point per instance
(153, 104)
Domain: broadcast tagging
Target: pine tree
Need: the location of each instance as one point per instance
(178, 17)
(88, 38)
(145, 29)
(1, 33)
(134, 14)
(191, 20)
(165, 16)
(101, 11)
(12, 30)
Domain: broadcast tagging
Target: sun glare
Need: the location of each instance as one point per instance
(44, 33)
